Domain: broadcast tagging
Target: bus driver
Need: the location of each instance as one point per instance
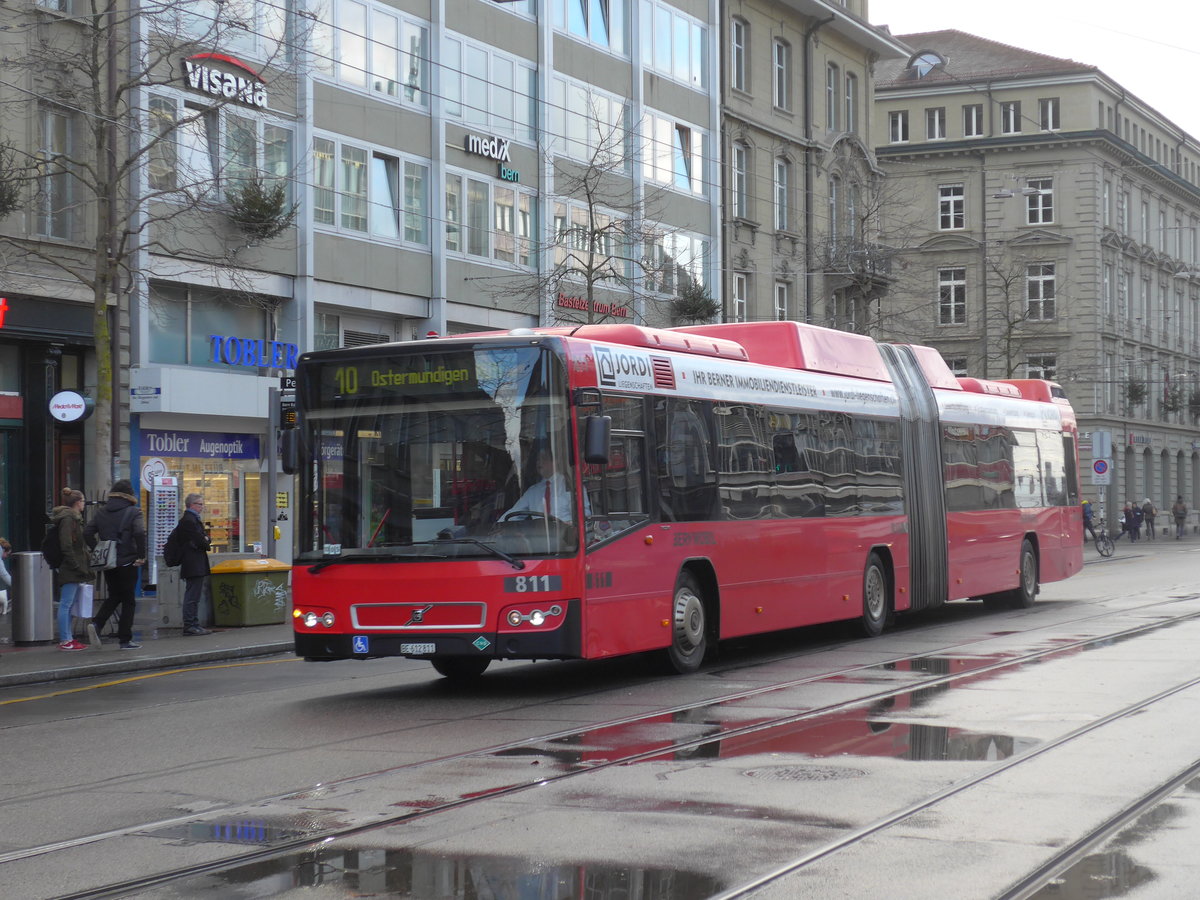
(549, 496)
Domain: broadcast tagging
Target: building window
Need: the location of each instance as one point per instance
(1039, 207)
(1039, 291)
(783, 178)
(957, 366)
(593, 127)
(367, 191)
(1123, 212)
(952, 296)
(738, 311)
(898, 126)
(55, 141)
(599, 22)
(373, 48)
(487, 88)
(739, 33)
(675, 259)
(206, 148)
(973, 120)
(951, 204)
(851, 102)
(673, 154)
(1048, 118)
(1106, 204)
(738, 180)
(673, 44)
(782, 57)
(935, 124)
(835, 211)
(1042, 365)
(184, 319)
(583, 239)
(781, 300)
(832, 83)
(1106, 282)
(1010, 117)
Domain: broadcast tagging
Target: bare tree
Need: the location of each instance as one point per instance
(107, 177)
(609, 255)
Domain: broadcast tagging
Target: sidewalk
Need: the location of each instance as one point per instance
(161, 649)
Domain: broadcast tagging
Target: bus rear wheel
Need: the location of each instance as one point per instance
(689, 626)
(460, 668)
(876, 602)
(1025, 593)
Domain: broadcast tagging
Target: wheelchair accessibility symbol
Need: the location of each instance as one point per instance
(360, 643)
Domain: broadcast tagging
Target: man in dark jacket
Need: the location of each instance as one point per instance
(194, 568)
(120, 520)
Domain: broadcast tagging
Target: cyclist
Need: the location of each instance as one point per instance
(1087, 519)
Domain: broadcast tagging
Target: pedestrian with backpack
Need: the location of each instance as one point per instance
(190, 542)
(68, 554)
(119, 519)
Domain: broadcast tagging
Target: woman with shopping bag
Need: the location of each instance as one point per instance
(75, 575)
(120, 523)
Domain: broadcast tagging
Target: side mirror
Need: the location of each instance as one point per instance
(597, 435)
(289, 446)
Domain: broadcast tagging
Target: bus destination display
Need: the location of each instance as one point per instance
(392, 376)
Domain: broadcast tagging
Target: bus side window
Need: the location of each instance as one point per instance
(686, 477)
(615, 494)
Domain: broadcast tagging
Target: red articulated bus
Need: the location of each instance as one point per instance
(586, 492)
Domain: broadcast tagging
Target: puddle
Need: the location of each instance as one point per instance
(1094, 877)
(1112, 872)
(429, 876)
(245, 831)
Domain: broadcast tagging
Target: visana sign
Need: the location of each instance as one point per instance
(493, 147)
(201, 77)
(253, 352)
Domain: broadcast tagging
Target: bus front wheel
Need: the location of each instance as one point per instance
(876, 603)
(460, 668)
(689, 626)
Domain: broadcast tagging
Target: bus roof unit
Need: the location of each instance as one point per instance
(653, 339)
(995, 388)
(793, 345)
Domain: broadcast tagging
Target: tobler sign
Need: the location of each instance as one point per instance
(245, 86)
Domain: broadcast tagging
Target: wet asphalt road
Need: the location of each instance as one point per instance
(951, 756)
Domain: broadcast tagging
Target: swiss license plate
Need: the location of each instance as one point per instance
(418, 649)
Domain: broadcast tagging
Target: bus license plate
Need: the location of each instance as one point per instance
(418, 649)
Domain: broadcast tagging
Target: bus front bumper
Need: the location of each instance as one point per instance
(563, 642)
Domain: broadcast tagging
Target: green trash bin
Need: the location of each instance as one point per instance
(250, 592)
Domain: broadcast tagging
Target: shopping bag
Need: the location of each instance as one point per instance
(103, 556)
(83, 601)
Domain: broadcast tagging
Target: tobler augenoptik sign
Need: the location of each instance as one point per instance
(201, 76)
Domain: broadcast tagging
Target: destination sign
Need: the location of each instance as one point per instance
(393, 376)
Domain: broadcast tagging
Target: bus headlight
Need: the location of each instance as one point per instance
(537, 617)
(327, 620)
(518, 616)
(310, 620)
(515, 618)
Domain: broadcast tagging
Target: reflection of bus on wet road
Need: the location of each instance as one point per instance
(706, 482)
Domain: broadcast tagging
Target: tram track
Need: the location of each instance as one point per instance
(547, 746)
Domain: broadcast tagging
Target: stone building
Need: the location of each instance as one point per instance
(1047, 225)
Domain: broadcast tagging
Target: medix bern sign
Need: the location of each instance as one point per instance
(491, 147)
(202, 77)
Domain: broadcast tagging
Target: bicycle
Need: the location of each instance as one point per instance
(1104, 544)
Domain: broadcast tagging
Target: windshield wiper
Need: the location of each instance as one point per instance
(366, 558)
(511, 560)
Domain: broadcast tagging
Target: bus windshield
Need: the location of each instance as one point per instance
(440, 454)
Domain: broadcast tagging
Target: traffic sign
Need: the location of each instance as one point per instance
(1102, 471)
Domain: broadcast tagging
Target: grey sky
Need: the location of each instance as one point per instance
(1152, 48)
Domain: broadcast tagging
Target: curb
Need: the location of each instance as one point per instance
(127, 663)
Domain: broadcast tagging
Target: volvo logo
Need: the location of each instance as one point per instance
(417, 616)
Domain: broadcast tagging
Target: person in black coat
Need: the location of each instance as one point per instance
(194, 568)
(120, 520)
